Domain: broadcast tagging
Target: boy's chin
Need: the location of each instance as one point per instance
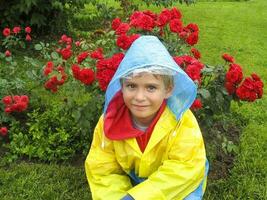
(143, 118)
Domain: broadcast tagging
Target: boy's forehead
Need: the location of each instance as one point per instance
(147, 75)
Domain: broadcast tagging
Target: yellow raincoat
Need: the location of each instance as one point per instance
(173, 161)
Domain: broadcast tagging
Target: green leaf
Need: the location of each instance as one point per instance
(14, 63)
(224, 91)
(54, 55)
(76, 115)
(38, 47)
(204, 93)
(207, 70)
(86, 65)
(219, 99)
(8, 59)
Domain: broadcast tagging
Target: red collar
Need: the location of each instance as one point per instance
(118, 123)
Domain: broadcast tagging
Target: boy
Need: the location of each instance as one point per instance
(147, 144)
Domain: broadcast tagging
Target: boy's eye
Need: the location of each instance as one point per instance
(130, 86)
(151, 88)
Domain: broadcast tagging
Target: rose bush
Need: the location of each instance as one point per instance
(217, 86)
(179, 40)
(15, 38)
(78, 72)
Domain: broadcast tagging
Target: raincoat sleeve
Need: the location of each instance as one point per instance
(182, 171)
(105, 176)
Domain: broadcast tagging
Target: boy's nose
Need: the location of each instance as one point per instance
(139, 95)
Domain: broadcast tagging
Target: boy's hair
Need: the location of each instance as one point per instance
(157, 72)
(167, 79)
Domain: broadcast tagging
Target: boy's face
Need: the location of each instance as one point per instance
(143, 95)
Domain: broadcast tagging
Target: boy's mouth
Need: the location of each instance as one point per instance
(140, 107)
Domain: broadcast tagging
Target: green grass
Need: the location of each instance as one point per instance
(43, 181)
(238, 28)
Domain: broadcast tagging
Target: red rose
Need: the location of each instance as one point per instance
(146, 23)
(103, 64)
(20, 106)
(63, 78)
(199, 65)
(104, 77)
(116, 23)
(250, 89)
(190, 60)
(196, 105)
(7, 53)
(123, 42)
(50, 64)
(87, 76)
(192, 27)
(48, 68)
(248, 83)
(184, 61)
(6, 32)
(179, 60)
(252, 96)
(183, 34)
(133, 37)
(75, 71)
(97, 54)
(16, 29)
(116, 60)
(196, 53)
(52, 84)
(47, 71)
(258, 84)
(28, 37)
(230, 87)
(7, 100)
(54, 80)
(194, 72)
(234, 74)
(228, 58)
(176, 26)
(19, 103)
(24, 98)
(192, 39)
(164, 17)
(28, 29)
(143, 20)
(175, 13)
(60, 69)
(259, 91)
(77, 43)
(69, 40)
(122, 29)
(3, 131)
(16, 98)
(8, 109)
(106, 69)
(64, 38)
(255, 77)
(66, 53)
(135, 16)
(82, 56)
(150, 14)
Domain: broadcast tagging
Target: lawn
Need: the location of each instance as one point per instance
(238, 28)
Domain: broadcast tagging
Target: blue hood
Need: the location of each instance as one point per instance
(147, 51)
